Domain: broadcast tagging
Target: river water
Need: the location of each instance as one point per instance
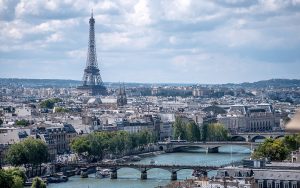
(130, 178)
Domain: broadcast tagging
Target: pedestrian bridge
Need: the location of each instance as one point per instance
(211, 147)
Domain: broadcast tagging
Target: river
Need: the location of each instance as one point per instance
(130, 178)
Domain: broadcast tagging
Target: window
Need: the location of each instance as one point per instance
(286, 185)
(269, 185)
(294, 185)
(277, 185)
(260, 184)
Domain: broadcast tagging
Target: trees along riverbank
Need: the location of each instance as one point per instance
(99, 144)
(192, 132)
(277, 149)
(30, 153)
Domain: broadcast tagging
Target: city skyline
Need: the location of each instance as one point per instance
(210, 42)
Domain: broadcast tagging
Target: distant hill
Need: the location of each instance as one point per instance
(38, 82)
(58, 83)
(275, 83)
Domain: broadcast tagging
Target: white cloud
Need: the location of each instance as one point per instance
(192, 37)
(55, 37)
(81, 54)
(140, 15)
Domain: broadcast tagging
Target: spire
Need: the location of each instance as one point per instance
(92, 14)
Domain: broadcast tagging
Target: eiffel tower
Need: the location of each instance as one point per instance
(92, 82)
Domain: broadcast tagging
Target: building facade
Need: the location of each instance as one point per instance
(259, 118)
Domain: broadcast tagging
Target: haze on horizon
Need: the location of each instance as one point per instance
(158, 41)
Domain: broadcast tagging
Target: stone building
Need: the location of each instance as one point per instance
(264, 178)
(58, 139)
(259, 118)
(13, 135)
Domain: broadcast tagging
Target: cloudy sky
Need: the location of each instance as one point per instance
(183, 41)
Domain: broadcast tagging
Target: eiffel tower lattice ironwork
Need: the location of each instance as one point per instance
(92, 82)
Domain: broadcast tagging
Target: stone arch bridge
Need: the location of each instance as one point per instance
(247, 140)
(253, 136)
(143, 168)
(211, 147)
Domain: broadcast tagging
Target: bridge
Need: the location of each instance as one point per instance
(253, 136)
(211, 147)
(247, 139)
(143, 168)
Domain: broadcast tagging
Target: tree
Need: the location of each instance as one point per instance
(37, 151)
(49, 103)
(80, 145)
(275, 150)
(30, 151)
(179, 129)
(17, 155)
(292, 141)
(216, 132)
(12, 178)
(17, 172)
(18, 182)
(204, 131)
(193, 132)
(6, 180)
(38, 183)
(22, 122)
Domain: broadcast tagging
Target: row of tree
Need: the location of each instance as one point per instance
(277, 149)
(98, 144)
(190, 131)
